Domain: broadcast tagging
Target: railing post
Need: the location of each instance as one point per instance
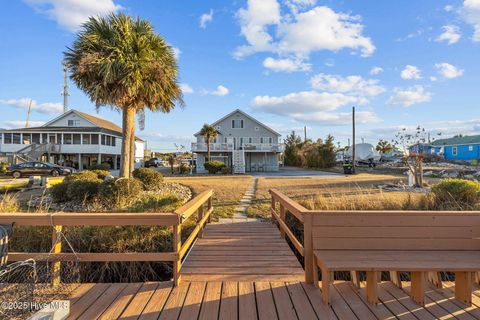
(210, 205)
(310, 267)
(177, 245)
(57, 248)
(283, 214)
(199, 218)
(273, 204)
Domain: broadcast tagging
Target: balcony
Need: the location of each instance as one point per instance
(249, 147)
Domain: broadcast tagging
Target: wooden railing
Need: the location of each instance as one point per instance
(306, 249)
(202, 204)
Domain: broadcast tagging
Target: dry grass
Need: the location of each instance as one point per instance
(227, 190)
(9, 203)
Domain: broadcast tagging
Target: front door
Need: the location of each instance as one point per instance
(231, 141)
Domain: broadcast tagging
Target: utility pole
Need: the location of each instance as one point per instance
(65, 93)
(305, 133)
(28, 114)
(353, 138)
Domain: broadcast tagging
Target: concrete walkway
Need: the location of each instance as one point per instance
(240, 214)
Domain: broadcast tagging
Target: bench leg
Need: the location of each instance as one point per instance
(435, 278)
(417, 290)
(477, 278)
(355, 275)
(463, 287)
(395, 278)
(372, 287)
(326, 281)
(315, 273)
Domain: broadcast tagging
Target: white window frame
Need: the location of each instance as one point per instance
(454, 151)
(241, 123)
(470, 148)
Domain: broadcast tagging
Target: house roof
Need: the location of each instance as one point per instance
(106, 125)
(246, 115)
(457, 141)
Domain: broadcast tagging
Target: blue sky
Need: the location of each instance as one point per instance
(289, 63)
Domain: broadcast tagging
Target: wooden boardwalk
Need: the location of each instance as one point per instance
(260, 300)
(242, 251)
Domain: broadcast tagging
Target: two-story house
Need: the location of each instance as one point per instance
(243, 144)
(73, 139)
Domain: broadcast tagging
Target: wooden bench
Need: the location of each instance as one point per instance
(415, 242)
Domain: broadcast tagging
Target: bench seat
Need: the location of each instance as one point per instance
(383, 260)
(463, 263)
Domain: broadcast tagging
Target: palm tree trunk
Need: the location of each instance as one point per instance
(132, 149)
(128, 122)
(208, 148)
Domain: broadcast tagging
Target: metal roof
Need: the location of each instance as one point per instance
(457, 141)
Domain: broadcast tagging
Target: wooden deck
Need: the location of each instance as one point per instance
(242, 251)
(260, 300)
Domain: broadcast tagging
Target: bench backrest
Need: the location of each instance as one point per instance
(396, 230)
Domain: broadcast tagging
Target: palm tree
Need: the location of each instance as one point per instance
(208, 132)
(384, 146)
(120, 62)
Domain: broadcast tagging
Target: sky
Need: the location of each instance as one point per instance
(288, 63)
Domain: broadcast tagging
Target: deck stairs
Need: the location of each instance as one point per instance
(238, 161)
(34, 151)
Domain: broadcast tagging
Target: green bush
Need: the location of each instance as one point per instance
(214, 166)
(121, 192)
(3, 168)
(150, 178)
(101, 174)
(184, 168)
(103, 166)
(456, 193)
(78, 186)
(226, 170)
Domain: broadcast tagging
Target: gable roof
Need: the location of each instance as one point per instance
(96, 121)
(456, 141)
(247, 116)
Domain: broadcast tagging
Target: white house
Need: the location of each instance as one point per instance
(243, 143)
(73, 139)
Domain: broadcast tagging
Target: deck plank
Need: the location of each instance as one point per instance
(283, 303)
(314, 296)
(354, 302)
(157, 301)
(211, 301)
(302, 306)
(87, 299)
(103, 301)
(174, 304)
(247, 308)
(138, 303)
(121, 301)
(265, 303)
(193, 301)
(229, 303)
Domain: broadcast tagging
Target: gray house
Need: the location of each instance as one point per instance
(243, 144)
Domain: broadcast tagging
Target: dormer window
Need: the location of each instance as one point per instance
(237, 124)
(73, 123)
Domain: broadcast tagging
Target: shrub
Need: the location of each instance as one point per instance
(226, 170)
(457, 193)
(101, 174)
(214, 166)
(103, 166)
(150, 178)
(121, 192)
(3, 168)
(9, 203)
(78, 186)
(183, 168)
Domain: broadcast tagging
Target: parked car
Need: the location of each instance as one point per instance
(39, 168)
(153, 162)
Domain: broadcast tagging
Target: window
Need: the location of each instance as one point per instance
(85, 138)
(103, 139)
(8, 138)
(237, 124)
(39, 165)
(114, 141)
(108, 141)
(35, 137)
(270, 140)
(16, 138)
(44, 138)
(261, 140)
(59, 138)
(77, 138)
(67, 138)
(27, 138)
(470, 148)
(73, 123)
(94, 138)
(454, 151)
(250, 140)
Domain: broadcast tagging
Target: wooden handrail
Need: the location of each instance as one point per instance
(292, 206)
(61, 219)
(289, 233)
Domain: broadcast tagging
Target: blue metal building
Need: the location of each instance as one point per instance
(457, 148)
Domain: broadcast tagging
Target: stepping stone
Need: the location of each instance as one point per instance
(243, 209)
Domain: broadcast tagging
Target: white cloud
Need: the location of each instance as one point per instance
(186, 88)
(23, 103)
(448, 71)
(220, 91)
(448, 8)
(299, 33)
(286, 65)
(351, 84)
(70, 14)
(409, 96)
(176, 52)
(338, 118)
(376, 70)
(14, 124)
(470, 12)
(205, 19)
(451, 34)
(304, 102)
(411, 73)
